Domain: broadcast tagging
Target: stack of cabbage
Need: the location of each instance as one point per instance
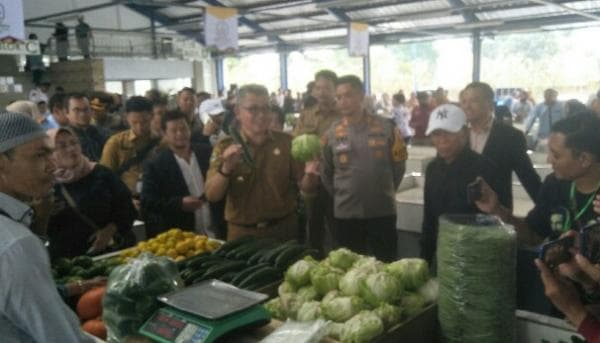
(360, 295)
(476, 271)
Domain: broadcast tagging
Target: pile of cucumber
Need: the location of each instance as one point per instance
(247, 262)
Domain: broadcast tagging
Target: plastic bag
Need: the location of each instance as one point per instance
(299, 332)
(131, 293)
(477, 279)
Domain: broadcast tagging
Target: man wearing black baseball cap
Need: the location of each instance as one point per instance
(31, 310)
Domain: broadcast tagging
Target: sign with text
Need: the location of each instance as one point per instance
(27, 47)
(358, 39)
(221, 28)
(11, 19)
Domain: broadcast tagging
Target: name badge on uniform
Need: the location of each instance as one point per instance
(342, 146)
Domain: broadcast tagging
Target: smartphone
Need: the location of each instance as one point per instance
(589, 245)
(474, 191)
(556, 252)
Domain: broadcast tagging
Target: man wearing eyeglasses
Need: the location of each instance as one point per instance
(79, 114)
(256, 173)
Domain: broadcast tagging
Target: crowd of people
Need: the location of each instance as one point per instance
(88, 165)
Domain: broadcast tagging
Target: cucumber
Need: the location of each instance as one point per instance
(244, 273)
(243, 247)
(219, 270)
(193, 276)
(266, 273)
(199, 262)
(287, 253)
(255, 259)
(251, 250)
(230, 245)
(186, 263)
(227, 277)
(288, 257)
(272, 254)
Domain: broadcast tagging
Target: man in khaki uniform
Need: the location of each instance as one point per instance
(125, 152)
(316, 120)
(261, 196)
(363, 164)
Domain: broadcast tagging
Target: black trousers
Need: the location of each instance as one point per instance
(372, 236)
(319, 220)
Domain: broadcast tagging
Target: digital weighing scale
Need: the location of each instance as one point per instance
(204, 312)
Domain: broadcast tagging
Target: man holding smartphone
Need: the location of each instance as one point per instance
(453, 179)
(565, 201)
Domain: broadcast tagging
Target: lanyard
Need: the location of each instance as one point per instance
(573, 202)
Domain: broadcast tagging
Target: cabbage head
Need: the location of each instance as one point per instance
(413, 303)
(334, 330)
(291, 303)
(341, 309)
(390, 315)
(342, 258)
(369, 264)
(412, 272)
(349, 283)
(286, 288)
(307, 293)
(306, 147)
(298, 274)
(380, 288)
(310, 310)
(430, 291)
(325, 279)
(275, 308)
(362, 328)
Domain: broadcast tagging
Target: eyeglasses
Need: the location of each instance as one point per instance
(256, 110)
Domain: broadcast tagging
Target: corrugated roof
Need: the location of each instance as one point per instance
(325, 21)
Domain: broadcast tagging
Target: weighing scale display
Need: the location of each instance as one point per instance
(173, 328)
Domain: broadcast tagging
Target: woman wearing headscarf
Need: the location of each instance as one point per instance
(93, 211)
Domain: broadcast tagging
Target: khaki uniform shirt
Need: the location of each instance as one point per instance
(265, 193)
(363, 164)
(315, 120)
(120, 148)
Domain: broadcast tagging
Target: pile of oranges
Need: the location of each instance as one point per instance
(174, 243)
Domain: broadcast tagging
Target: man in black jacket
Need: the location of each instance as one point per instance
(173, 182)
(449, 174)
(502, 144)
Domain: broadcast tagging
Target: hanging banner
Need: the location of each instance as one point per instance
(221, 28)
(358, 39)
(11, 19)
(27, 47)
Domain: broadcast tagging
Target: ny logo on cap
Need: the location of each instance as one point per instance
(442, 114)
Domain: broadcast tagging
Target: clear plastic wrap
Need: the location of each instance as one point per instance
(131, 293)
(476, 258)
(299, 332)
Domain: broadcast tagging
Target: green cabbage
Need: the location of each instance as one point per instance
(413, 303)
(334, 330)
(390, 315)
(412, 272)
(325, 279)
(286, 288)
(341, 309)
(275, 308)
(291, 303)
(380, 288)
(430, 291)
(331, 295)
(368, 264)
(306, 147)
(298, 274)
(362, 328)
(307, 293)
(310, 310)
(342, 258)
(349, 283)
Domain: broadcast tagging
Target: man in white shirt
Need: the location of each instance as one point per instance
(31, 310)
(173, 182)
